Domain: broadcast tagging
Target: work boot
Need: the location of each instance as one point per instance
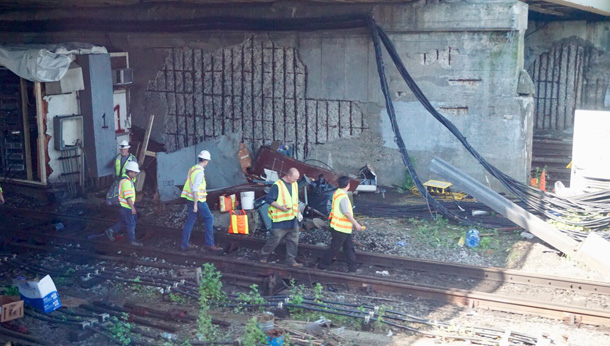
(213, 248)
(356, 271)
(295, 265)
(109, 234)
(136, 243)
(190, 247)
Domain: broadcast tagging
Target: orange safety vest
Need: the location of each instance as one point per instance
(126, 190)
(201, 189)
(284, 198)
(338, 221)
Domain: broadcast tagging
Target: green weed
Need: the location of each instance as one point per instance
(253, 335)
(211, 286)
(144, 291)
(210, 290)
(252, 297)
(176, 298)
(121, 329)
(11, 290)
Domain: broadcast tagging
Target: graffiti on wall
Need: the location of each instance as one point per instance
(257, 89)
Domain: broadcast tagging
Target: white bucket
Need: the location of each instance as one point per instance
(247, 200)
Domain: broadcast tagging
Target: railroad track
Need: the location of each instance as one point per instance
(460, 297)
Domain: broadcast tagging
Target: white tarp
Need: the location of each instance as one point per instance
(44, 63)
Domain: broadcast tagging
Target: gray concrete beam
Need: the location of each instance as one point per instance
(596, 6)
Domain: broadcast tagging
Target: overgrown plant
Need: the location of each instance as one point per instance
(296, 293)
(253, 335)
(207, 330)
(142, 290)
(380, 315)
(252, 297)
(408, 183)
(210, 285)
(210, 290)
(121, 329)
(11, 290)
(176, 298)
(317, 292)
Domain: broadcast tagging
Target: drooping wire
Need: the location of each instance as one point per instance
(592, 211)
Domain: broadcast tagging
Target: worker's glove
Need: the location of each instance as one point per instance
(300, 217)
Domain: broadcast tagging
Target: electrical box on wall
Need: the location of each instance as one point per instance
(123, 76)
(67, 131)
(72, 81)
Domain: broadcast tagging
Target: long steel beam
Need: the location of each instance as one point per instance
(503, 206)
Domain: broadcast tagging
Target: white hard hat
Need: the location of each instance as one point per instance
(124, 145)
(204, 154)
(132, 166)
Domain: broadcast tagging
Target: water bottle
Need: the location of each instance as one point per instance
(169, 336)
(472, 238)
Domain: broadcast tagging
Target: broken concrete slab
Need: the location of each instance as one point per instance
(594, 252)
(223, 171)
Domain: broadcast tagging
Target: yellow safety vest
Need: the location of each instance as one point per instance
(284, 198)
(126, 190)
(338, 221)
(201, 189)
(0, 189)
(117, 164)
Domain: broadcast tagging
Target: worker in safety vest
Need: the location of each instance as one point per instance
(341, 222)
(283, 200)
(195, 193)
(122, 158)
(128, 215)
(1, 196)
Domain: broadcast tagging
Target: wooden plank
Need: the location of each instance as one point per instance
(42, 148)
(142, 152)
(26, 129)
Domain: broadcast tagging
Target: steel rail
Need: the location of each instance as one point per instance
(484, 274)
(235, 279)
(459, 297)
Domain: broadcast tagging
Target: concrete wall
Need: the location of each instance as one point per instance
(465, 55)
(58, 105)
(570, 65)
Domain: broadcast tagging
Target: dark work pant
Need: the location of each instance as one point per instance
(290, 236)
(339, 240)
(208, 223)
(128, 221)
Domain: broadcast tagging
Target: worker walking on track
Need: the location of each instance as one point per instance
(122, 158)
(195, 193)
(128, 216)
(341, 222)
(283, 200)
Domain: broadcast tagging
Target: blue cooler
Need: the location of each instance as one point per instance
(41, 294)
